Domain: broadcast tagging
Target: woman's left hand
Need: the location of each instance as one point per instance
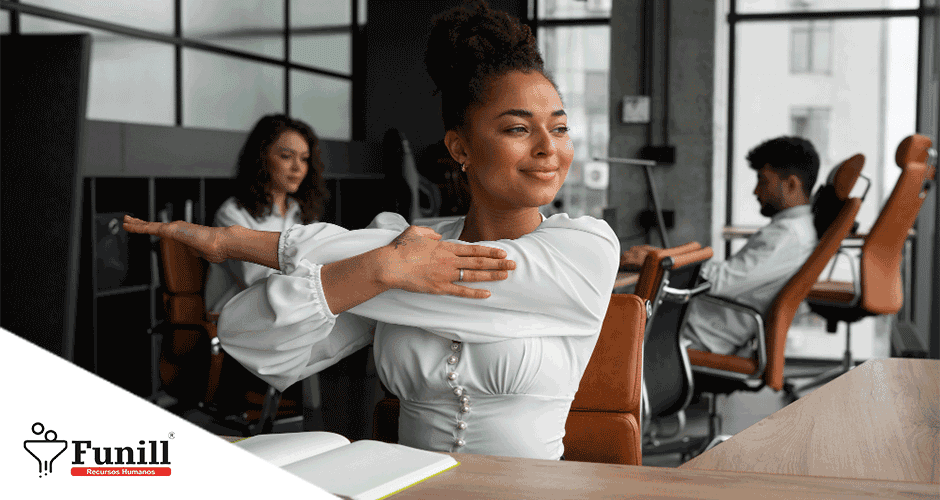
(417, 261)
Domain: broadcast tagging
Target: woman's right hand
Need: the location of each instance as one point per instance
(417, 261)
(206, 241)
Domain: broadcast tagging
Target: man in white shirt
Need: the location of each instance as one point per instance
(786, 172)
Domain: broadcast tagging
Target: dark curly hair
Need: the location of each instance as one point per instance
(253, 175)
(788, 156)
(468, 47)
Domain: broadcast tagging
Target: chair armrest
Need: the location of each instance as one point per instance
(682, 296)
(760, 338)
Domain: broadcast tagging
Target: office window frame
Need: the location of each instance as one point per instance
(734, 18)
(355, 29)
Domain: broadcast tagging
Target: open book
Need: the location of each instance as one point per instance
(364, 470)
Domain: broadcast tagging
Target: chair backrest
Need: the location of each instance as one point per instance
(829, 198)
(667, 371)
(184, 275)
(881, 253)
(781, 312)
(604, 423)
(185, 361)
(651, 274)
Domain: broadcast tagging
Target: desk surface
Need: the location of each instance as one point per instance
(488, 477)
(879, 421)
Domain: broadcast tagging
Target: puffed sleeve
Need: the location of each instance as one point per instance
(281, 329)
(244, 273)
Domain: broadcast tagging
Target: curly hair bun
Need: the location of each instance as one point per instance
(470, 44)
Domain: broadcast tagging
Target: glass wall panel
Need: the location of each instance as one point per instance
(323, 102)
(336, 13)
(224, 92)
(151, 15)
(326, 51)
(131, 80)
(255, 26)
(864, 103)
(578, 59)
(755, 6)
(571, 9)
(315, 40)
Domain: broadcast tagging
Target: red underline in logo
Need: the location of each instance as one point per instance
(121, 471)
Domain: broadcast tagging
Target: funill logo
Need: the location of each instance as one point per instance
(148, 453)
(45, 451)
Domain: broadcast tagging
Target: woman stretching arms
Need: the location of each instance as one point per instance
(491, 370)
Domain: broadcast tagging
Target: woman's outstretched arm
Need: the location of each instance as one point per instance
(414, 261)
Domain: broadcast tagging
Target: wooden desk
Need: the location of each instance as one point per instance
(879, 421)
(488, 477)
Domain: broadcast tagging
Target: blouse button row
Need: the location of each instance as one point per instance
(459, 392)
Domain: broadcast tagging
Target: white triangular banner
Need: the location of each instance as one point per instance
(51, 404)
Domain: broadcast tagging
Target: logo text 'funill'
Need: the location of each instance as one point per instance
(124, 455)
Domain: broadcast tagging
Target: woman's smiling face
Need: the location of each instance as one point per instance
(515, 145)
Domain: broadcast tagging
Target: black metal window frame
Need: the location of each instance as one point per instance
(355, 30)
(535, 22)
(921, 13)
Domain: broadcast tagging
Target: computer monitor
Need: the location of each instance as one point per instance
(42, 114)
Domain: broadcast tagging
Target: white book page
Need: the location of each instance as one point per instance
(288, 447)
(369, 470)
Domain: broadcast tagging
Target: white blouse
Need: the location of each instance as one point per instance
(489, 376)
(226, 279)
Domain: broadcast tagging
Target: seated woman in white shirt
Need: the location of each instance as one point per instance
(279, 183)
(488, 370)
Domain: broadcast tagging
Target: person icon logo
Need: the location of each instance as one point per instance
(45, 451)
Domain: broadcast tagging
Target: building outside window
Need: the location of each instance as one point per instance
(574, 38)
(811, 47)
(812, 123)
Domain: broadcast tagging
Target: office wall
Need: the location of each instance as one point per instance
(399, 92)
(686, 186)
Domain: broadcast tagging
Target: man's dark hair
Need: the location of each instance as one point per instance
(788, 156)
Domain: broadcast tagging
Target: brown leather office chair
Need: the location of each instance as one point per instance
(878, 287)
(194, 368)
(669, 279)
(716, 374)
(604, 422)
